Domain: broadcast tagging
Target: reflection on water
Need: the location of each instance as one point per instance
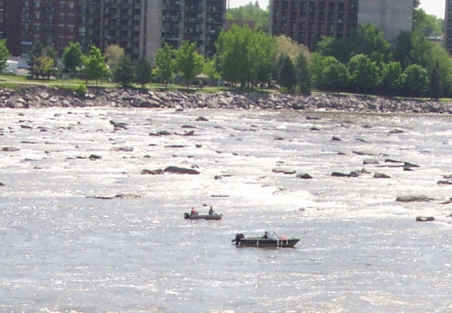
(65, 250)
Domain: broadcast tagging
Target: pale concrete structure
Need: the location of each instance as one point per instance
(448, 19)
(307, 21)
(389, 16)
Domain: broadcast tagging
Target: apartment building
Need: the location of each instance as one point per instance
(448, 33)
(138, 26)
(143, 26)
(307, 21)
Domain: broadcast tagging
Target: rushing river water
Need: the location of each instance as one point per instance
(63, 249)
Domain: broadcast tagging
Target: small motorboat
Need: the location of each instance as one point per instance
(268, 240)
(197, 216)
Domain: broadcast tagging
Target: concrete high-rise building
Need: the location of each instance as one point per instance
(307, 21)
(448, 19)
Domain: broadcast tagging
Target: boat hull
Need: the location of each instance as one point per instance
(267, 243)
(203, 217)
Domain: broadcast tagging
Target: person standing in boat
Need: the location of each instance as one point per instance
(211, 211)
(193, 211)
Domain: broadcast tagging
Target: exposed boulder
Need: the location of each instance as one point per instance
(152, 172)
(181, 170)
(304, 176)
(425, 219)
(381, 175)
(415, 198)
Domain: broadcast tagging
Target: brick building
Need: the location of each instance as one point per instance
(307, 21)
(138, 26)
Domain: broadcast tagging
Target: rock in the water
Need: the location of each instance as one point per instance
(335, 138)
(283, 171)
(160, 133)
(202, 119)
(370, 162)
(420, 198)
(396, 131)
(10, 149)
(181, 170)
(425, 219)
(304, 176)
(381, 175)
(94, 157)
(152, 172)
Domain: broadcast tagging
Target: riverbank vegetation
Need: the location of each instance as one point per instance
(251, 59)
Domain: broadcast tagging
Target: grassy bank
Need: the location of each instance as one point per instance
(19, 81)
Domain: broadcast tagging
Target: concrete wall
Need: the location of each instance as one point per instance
(152, 28)
(389, 16)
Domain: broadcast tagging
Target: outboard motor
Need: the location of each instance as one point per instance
(237, 239)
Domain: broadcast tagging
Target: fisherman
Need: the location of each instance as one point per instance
(193, 211)
(211, 211)
(265, 235)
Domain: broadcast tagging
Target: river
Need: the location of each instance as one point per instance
(95, 235)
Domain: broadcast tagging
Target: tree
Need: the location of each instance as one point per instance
(435, 82)
(364, 73)
(72, 57)
(287, 76)
(285, 45)
(428, 25)
(303, 74)
(113, 55)
(210, 70)
(392, 78)
(366, 39)
(143, 72)
(416, 80)
(44, 67)
(95, 67)
(4, 55)
(188, 61)
(245, 56)
(402, 49)
(124, 71)
(328, 73)
(250, 13)
(164, 63)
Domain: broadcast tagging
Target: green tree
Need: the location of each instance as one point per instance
(415, 80)
(392, 78)
(366, 39)
(252, 13)
(113, 55)
(124, 71)
(333, 74)
(427, 24)
(245, 56)
(143, 72)
(435, 82)
(303, 74)
(4, 55)
(210, 70)
(44, 67)
(402, 49)
(164, 63)
(364, 73)
(188, 61)
(95, 67)
(287, 76)
(72, 57)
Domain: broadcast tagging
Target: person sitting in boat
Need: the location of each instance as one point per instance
(211, 211)
(193, 211)
(265, 235)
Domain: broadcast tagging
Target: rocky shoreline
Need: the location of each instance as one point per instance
(41, 97)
